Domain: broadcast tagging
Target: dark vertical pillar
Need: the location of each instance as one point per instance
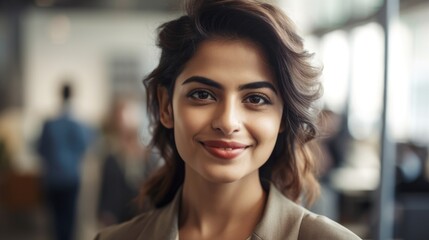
(12, 84)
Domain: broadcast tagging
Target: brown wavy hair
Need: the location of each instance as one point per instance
(290, 167)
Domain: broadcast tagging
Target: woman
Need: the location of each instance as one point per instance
(231, 104)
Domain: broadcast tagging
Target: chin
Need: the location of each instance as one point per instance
(221, 174)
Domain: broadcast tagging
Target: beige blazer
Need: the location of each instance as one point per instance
(282, 219)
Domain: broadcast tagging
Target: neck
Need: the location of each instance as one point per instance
(66, 107)
(220, 207)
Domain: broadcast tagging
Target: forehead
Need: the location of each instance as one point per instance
(232, 59)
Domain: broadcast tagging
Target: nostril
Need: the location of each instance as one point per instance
(226, 120)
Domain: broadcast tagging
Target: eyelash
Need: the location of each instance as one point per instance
(260, 96)
(194, 95)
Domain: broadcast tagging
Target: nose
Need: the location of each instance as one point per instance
(227, 118)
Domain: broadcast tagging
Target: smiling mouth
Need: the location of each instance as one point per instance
(224, 150)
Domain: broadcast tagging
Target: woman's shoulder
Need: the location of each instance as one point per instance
(315, 226)
(284, 219)
(158, 223)
(128, 230)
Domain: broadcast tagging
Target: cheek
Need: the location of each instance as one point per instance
(265, 128)
(188, 124)
(188, 120)
(184, 124)
(265, 131)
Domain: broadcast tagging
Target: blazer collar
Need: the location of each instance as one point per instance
(281, 219)
(165, 222)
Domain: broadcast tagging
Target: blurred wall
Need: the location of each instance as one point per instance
(83, 47)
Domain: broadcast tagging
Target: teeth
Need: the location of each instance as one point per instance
(228, 149)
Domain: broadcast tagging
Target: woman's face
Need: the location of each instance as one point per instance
(225, 111)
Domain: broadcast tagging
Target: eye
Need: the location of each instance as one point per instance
(257, 99)
(201, 95)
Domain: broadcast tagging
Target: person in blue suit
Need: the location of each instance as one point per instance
(62, 145)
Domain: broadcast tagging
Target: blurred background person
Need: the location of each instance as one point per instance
(62, 145)
(127, 162)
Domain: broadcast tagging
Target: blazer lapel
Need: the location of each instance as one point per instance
(281, 220)
(164, 222)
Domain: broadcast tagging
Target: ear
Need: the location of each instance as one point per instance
(165, 109)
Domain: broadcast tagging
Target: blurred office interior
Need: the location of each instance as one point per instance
(375, 175)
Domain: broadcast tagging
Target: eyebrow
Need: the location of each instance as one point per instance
(211, 83)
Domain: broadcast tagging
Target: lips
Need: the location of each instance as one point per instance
(224, 150)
